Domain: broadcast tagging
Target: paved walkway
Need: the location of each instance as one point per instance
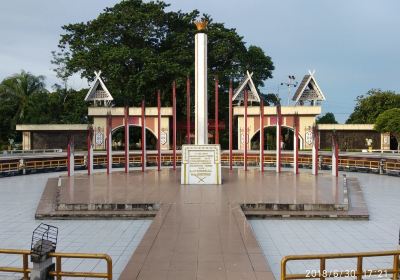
(19, 197)
(200, 232)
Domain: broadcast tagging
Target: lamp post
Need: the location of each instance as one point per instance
(289, 84)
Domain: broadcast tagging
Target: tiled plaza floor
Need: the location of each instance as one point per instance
(279, 238)
(19, 197)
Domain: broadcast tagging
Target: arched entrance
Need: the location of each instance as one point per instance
(287, 134)
(393, 143)
(135, 138)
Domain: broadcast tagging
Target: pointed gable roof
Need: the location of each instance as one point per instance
(252, 93)
(308, 90)
(98, 91)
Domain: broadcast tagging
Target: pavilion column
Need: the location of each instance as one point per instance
(143, 146)
(295, 145)
(159, 129)
(71, 156)
(262, 135)
(230, 124)
(245, 130)
(174, 125)
(90, 151)
(278, 138)
(109, 144)
(126, 139)
(335, 155)
(315, 150)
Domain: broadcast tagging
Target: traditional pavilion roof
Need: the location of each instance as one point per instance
(308, 90)
(252, 96)
(98, 92)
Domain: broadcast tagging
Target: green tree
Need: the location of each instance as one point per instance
(20, 87)
(140, 47)
(389, 121)
(17, 94)
(372, 104)
(328, 118)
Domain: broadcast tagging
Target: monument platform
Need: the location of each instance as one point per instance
(140, 195)
(199, 231)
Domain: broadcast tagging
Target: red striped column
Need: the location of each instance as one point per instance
(90, 151)
(159, 130)
(262, 135)
(245, 131)
(335, 155)
(315, 151)
(216, 111)
(188, 110)
(174, 124)
(109, 144)
(278, 138)
(295, 145)
(126, 139)
(71, 157)
(143, 120)
(230, 124)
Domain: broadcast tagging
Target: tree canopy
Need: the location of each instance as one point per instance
(389, 121)
(141, 47)
(25, 99)
(328, 118)
(372, 104)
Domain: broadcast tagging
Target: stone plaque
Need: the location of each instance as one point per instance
(201, 164)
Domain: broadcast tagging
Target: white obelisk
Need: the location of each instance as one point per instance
(201, 110)
(201, 162)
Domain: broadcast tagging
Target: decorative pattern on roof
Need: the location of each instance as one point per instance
(252, 96)
(99, 93)
(308, 90)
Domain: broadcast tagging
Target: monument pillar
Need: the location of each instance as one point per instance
(201, 163)
(201, 110)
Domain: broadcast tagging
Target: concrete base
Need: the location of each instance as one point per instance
(40, 271)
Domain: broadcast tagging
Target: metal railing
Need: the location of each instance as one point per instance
(359, 272)
(58, 273)
(25, 267)
(237, 158)
(392, 166)
(29, 152)
(9, 166)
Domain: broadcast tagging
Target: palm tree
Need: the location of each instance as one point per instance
(19, 88)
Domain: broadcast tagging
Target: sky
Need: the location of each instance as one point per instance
(353, 45)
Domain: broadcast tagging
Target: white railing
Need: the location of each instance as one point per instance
(29, 152)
